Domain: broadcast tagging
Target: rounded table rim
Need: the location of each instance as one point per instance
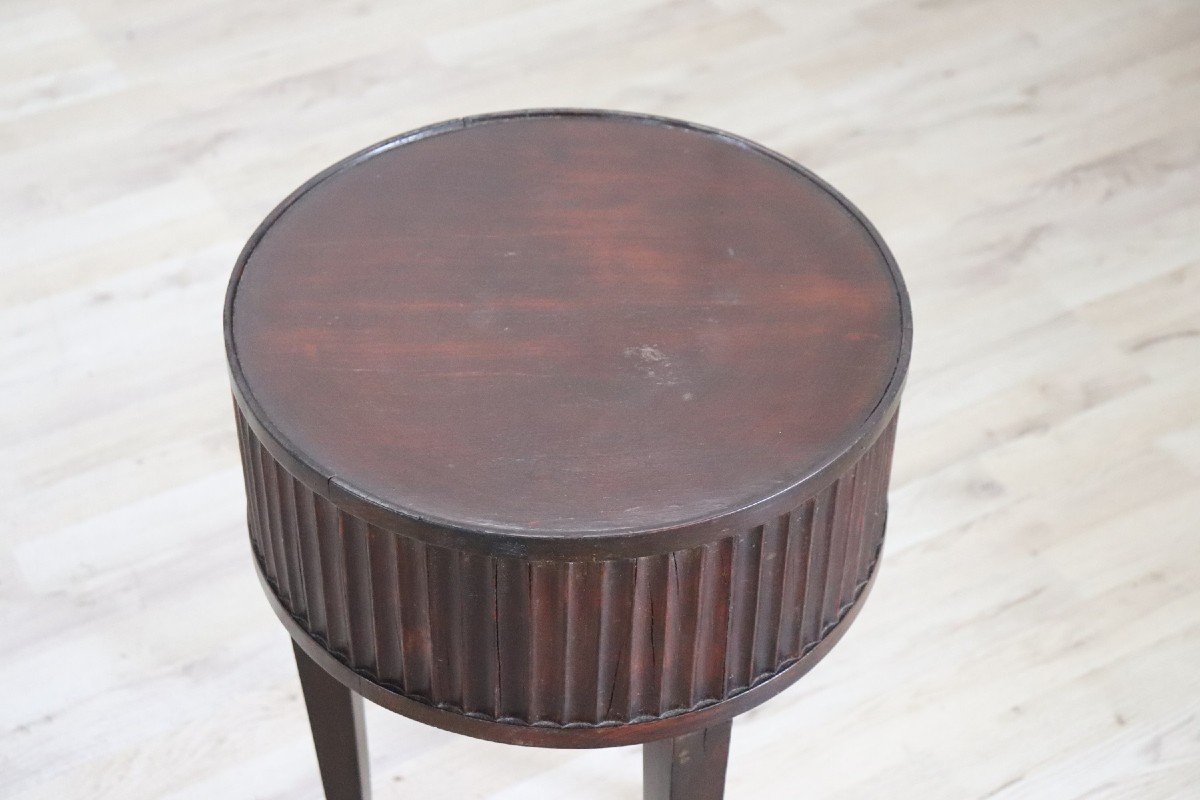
(519, 541)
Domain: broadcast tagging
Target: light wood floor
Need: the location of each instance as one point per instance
(1035, 632)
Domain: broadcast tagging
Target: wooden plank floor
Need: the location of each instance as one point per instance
(1035, 631)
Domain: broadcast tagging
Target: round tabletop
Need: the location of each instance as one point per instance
(567, 324)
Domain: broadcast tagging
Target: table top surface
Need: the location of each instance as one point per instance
(564, 323)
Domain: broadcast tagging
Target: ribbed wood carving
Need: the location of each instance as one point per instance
(621, 641)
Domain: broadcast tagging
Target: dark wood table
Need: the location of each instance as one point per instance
(564, 429)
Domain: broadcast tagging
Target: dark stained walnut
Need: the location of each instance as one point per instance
(567, 428)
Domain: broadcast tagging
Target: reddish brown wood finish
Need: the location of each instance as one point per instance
(567, 428)
(339, 733)
(688, 767)
(566, 334)
(563, 648)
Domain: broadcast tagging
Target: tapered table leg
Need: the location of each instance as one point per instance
(335, 715)
(690, 767)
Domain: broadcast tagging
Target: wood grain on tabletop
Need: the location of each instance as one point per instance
(1034, 167)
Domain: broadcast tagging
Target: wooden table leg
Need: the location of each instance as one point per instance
(690, 767)
(335, 715)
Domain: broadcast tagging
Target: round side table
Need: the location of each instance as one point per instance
(564, 429)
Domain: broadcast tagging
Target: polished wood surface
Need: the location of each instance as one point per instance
(1033, 166)
(563, 626)
(567, 323)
